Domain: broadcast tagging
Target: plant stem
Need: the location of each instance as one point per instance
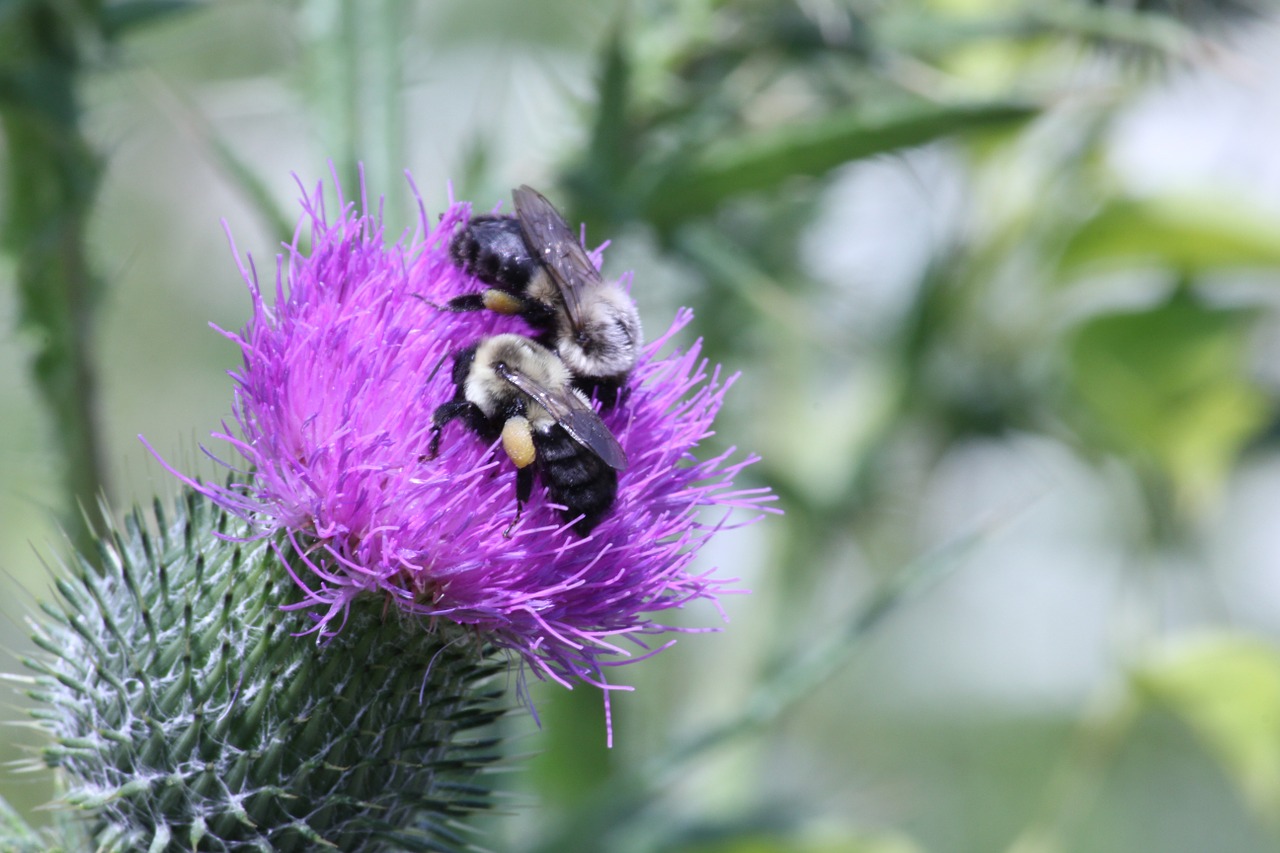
(53, 176)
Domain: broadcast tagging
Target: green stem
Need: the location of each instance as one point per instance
(385, 121)
(53, 176)
(331, 33)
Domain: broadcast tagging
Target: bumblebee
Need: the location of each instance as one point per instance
(513, 388)
(537, 269)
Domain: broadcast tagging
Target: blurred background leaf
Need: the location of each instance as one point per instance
(1189, 235)
(1168, 387)
(1227, 689)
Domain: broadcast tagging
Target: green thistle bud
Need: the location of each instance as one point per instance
(187, 716)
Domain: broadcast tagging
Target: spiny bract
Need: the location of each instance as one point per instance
(187, 717)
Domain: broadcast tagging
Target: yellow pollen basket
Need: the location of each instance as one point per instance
(501, 302)
(517, 441)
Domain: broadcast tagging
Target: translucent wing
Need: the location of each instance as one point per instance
(551, 240)
(573, 413)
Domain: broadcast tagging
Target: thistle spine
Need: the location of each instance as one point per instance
(187, 715)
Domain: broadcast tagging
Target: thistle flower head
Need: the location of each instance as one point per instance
(189, 721)
(333, 408)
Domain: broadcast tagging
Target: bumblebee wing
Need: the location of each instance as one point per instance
(551, 239)
(573, 413)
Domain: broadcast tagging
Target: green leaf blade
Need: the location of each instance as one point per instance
(1189, 234)
(1168, 387)
(1226, 687)
(763, 160)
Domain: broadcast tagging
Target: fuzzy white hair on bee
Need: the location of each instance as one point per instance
(512, 388)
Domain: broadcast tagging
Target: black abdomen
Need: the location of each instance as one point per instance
(492, 249)
(575, 477)
(609, 390)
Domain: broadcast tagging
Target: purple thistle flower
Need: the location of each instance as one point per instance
(341, 375)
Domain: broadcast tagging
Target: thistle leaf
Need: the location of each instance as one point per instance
(761, 160)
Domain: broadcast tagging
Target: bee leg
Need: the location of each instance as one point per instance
(470, 413)
(493, 299)
(422, 298)
(503, 302)
(517, 441)
(433, 449)
(466, 302)
(524, 488)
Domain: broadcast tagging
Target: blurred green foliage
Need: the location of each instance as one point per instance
(1227, 688)
(1008, 299)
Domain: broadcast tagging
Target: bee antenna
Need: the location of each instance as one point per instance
(434, 305)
